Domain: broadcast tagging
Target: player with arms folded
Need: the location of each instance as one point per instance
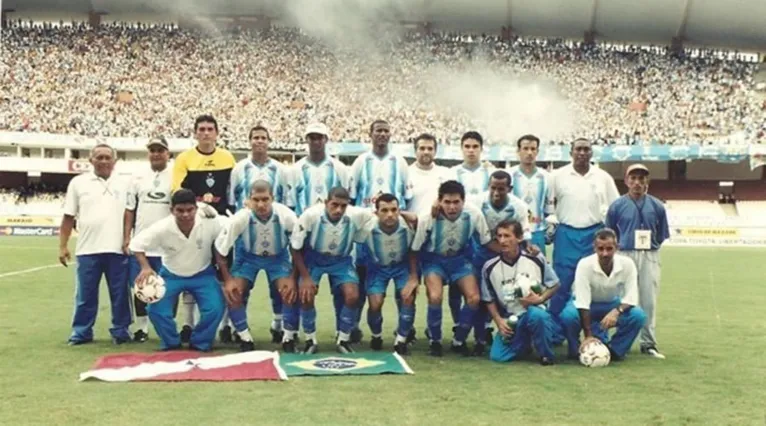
(387, 238)
(260, 234)
(517, 284)
(186, 243)
(442, 243)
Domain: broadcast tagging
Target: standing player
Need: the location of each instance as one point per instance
(260, 234)
(97, 201)
(641, 225)
(387, 238)
(530, 183)
(501, 281)
(374, 173)
(322, 244)
(442, 242)
(425, 175)
(474, 176)
(148, 201)
(581, 195)
(260, 167)
(498, 206)
(187, 244)
(607, 297)
(206, 171)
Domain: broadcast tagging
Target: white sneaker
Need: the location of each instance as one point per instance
(654, 353)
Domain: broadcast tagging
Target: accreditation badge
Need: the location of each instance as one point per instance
(643, 239)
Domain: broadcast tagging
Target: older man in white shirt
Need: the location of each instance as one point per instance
(605, 297)
(96, 200)
(186, 243)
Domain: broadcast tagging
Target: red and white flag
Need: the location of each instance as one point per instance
(180, 366)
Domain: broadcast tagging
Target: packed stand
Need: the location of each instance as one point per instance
(157, 79)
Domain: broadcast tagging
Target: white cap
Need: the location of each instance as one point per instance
(317, 128)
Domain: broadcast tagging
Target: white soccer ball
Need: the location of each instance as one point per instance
(152, 291)
(595, 354)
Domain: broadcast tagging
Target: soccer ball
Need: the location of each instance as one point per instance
(595, 354)
(152, 291)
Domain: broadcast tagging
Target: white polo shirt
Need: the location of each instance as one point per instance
(181, 256)
(98, 206)
(149, 197)
(581, 201)
(591, 284)
(425, 186)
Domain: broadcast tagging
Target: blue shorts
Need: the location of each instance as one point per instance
(134, 268)
(361, 254)
(379, 276)
(339, 271)
(450, 269)
(481, 256)
(246, 266)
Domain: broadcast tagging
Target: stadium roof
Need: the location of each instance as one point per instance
(732, 23)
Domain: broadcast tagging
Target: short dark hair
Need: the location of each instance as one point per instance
(502, 175)
(338, 192)
(385, 198)
(472, 135)
(378, 121)
(261, 185)
(451, 187)
(205, 118)
(581, 139)
(257, 128)
(183, 196)
(426, 137)
(604, 234)
(532, 138)
(515, 226)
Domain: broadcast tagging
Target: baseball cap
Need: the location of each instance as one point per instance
(317, 128)
(161, 141)
(636, 167)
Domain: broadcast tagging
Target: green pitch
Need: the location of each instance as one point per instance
(712, 330)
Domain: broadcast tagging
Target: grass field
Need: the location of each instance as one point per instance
(711, 327)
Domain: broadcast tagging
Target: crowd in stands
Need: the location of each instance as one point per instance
(136, 81)
(33, 193)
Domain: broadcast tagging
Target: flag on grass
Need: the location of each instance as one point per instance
(179, 366)
(350, 364)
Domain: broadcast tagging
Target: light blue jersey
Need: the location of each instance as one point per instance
(386, 249)
(329, 240)
(246, 172)
(445, 237)
(249, 234)
(475, 181)
(533, 190)
(312, 182)
(514, 209)
(372, 175)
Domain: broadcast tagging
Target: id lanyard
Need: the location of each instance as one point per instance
(640, 209)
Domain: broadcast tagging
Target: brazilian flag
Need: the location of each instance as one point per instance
(362, 363)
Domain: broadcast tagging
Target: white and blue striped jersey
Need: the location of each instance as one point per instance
(500, 280)
(446, 237)
(514, 209)
(246, 172)
(387, 249)
(249, 234)
(312, 182)
(475, 181)
(534, 191)
(315, 231)
(372, 175)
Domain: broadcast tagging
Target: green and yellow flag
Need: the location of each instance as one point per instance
(362, 363)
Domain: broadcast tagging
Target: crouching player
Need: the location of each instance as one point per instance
(260, 234)
(186, 242)
(321, 244)
(387, 239)
(606, 296)
(505, 279)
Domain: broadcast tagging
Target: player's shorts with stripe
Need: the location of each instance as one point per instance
(246, 266)
(449, 268)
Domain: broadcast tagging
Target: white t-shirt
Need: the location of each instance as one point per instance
(592, 285)
(181, 256)
(98, 206)
(255, 236)
(425, 186)
(581, 201)
(149, 196)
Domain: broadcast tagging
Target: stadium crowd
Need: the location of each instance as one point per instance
(58, 80)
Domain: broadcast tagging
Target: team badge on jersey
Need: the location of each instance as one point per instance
(210, 181)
